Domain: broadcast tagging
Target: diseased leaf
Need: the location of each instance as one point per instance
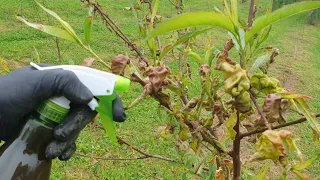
(270, 145)
(119, 64)
(230, 123)
(282, 13)
(194, 19)
(87, 62)
(54, 31)
(157, 78)
(183, 39)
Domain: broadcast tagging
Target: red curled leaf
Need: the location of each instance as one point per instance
(157, 78)
(119, 64)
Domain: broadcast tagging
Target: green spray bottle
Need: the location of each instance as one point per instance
(24, 156)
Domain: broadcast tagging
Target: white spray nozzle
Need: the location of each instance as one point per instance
(98, 82)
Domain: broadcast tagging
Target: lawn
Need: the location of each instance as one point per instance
(297, 68)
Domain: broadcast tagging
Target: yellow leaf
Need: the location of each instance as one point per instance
(230, 123)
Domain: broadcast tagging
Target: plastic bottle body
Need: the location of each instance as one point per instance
(23, 157)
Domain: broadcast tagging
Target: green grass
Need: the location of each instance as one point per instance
(141, 128)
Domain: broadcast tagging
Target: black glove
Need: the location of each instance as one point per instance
(23, 90)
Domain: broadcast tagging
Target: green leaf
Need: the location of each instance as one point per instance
(154, 10)
(38, 61)
(303, 107)
(54, 31)
(183, 39)
(192, 20)
(282, 13)
(196, 57)
(262, 172)
(234, 11)
(88, 26)
(230, 123)
(263, 35)
(260, 61)
(303, 165)
(64, 24)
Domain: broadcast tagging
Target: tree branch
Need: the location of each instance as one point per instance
(236, 151)
(301, 120)
(114, 28)
(252, 96)
(111, 158)
(145, 155)
(251, 14)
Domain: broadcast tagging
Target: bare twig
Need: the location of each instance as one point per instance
(146, 155)
(251, 14)
(111, 158)
(114, 28)
(252, 96)
(178, 7)
(56, 40)
(173, 3)
(298, 121)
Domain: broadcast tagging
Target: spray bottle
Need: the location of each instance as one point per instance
(24, 156)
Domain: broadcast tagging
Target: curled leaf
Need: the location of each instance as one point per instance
(190, 105)
(87, 62)
(119, 64)
(270, 145)
(184, 133)
(157, 78)
(236, 82)
(266, 84)
(204, 72)
(230, 123)
(275, 109)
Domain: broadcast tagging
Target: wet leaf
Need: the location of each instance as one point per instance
(119, 64)
(88, 62)
(230, 123)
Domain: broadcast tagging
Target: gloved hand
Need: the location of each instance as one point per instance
(23, 90)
